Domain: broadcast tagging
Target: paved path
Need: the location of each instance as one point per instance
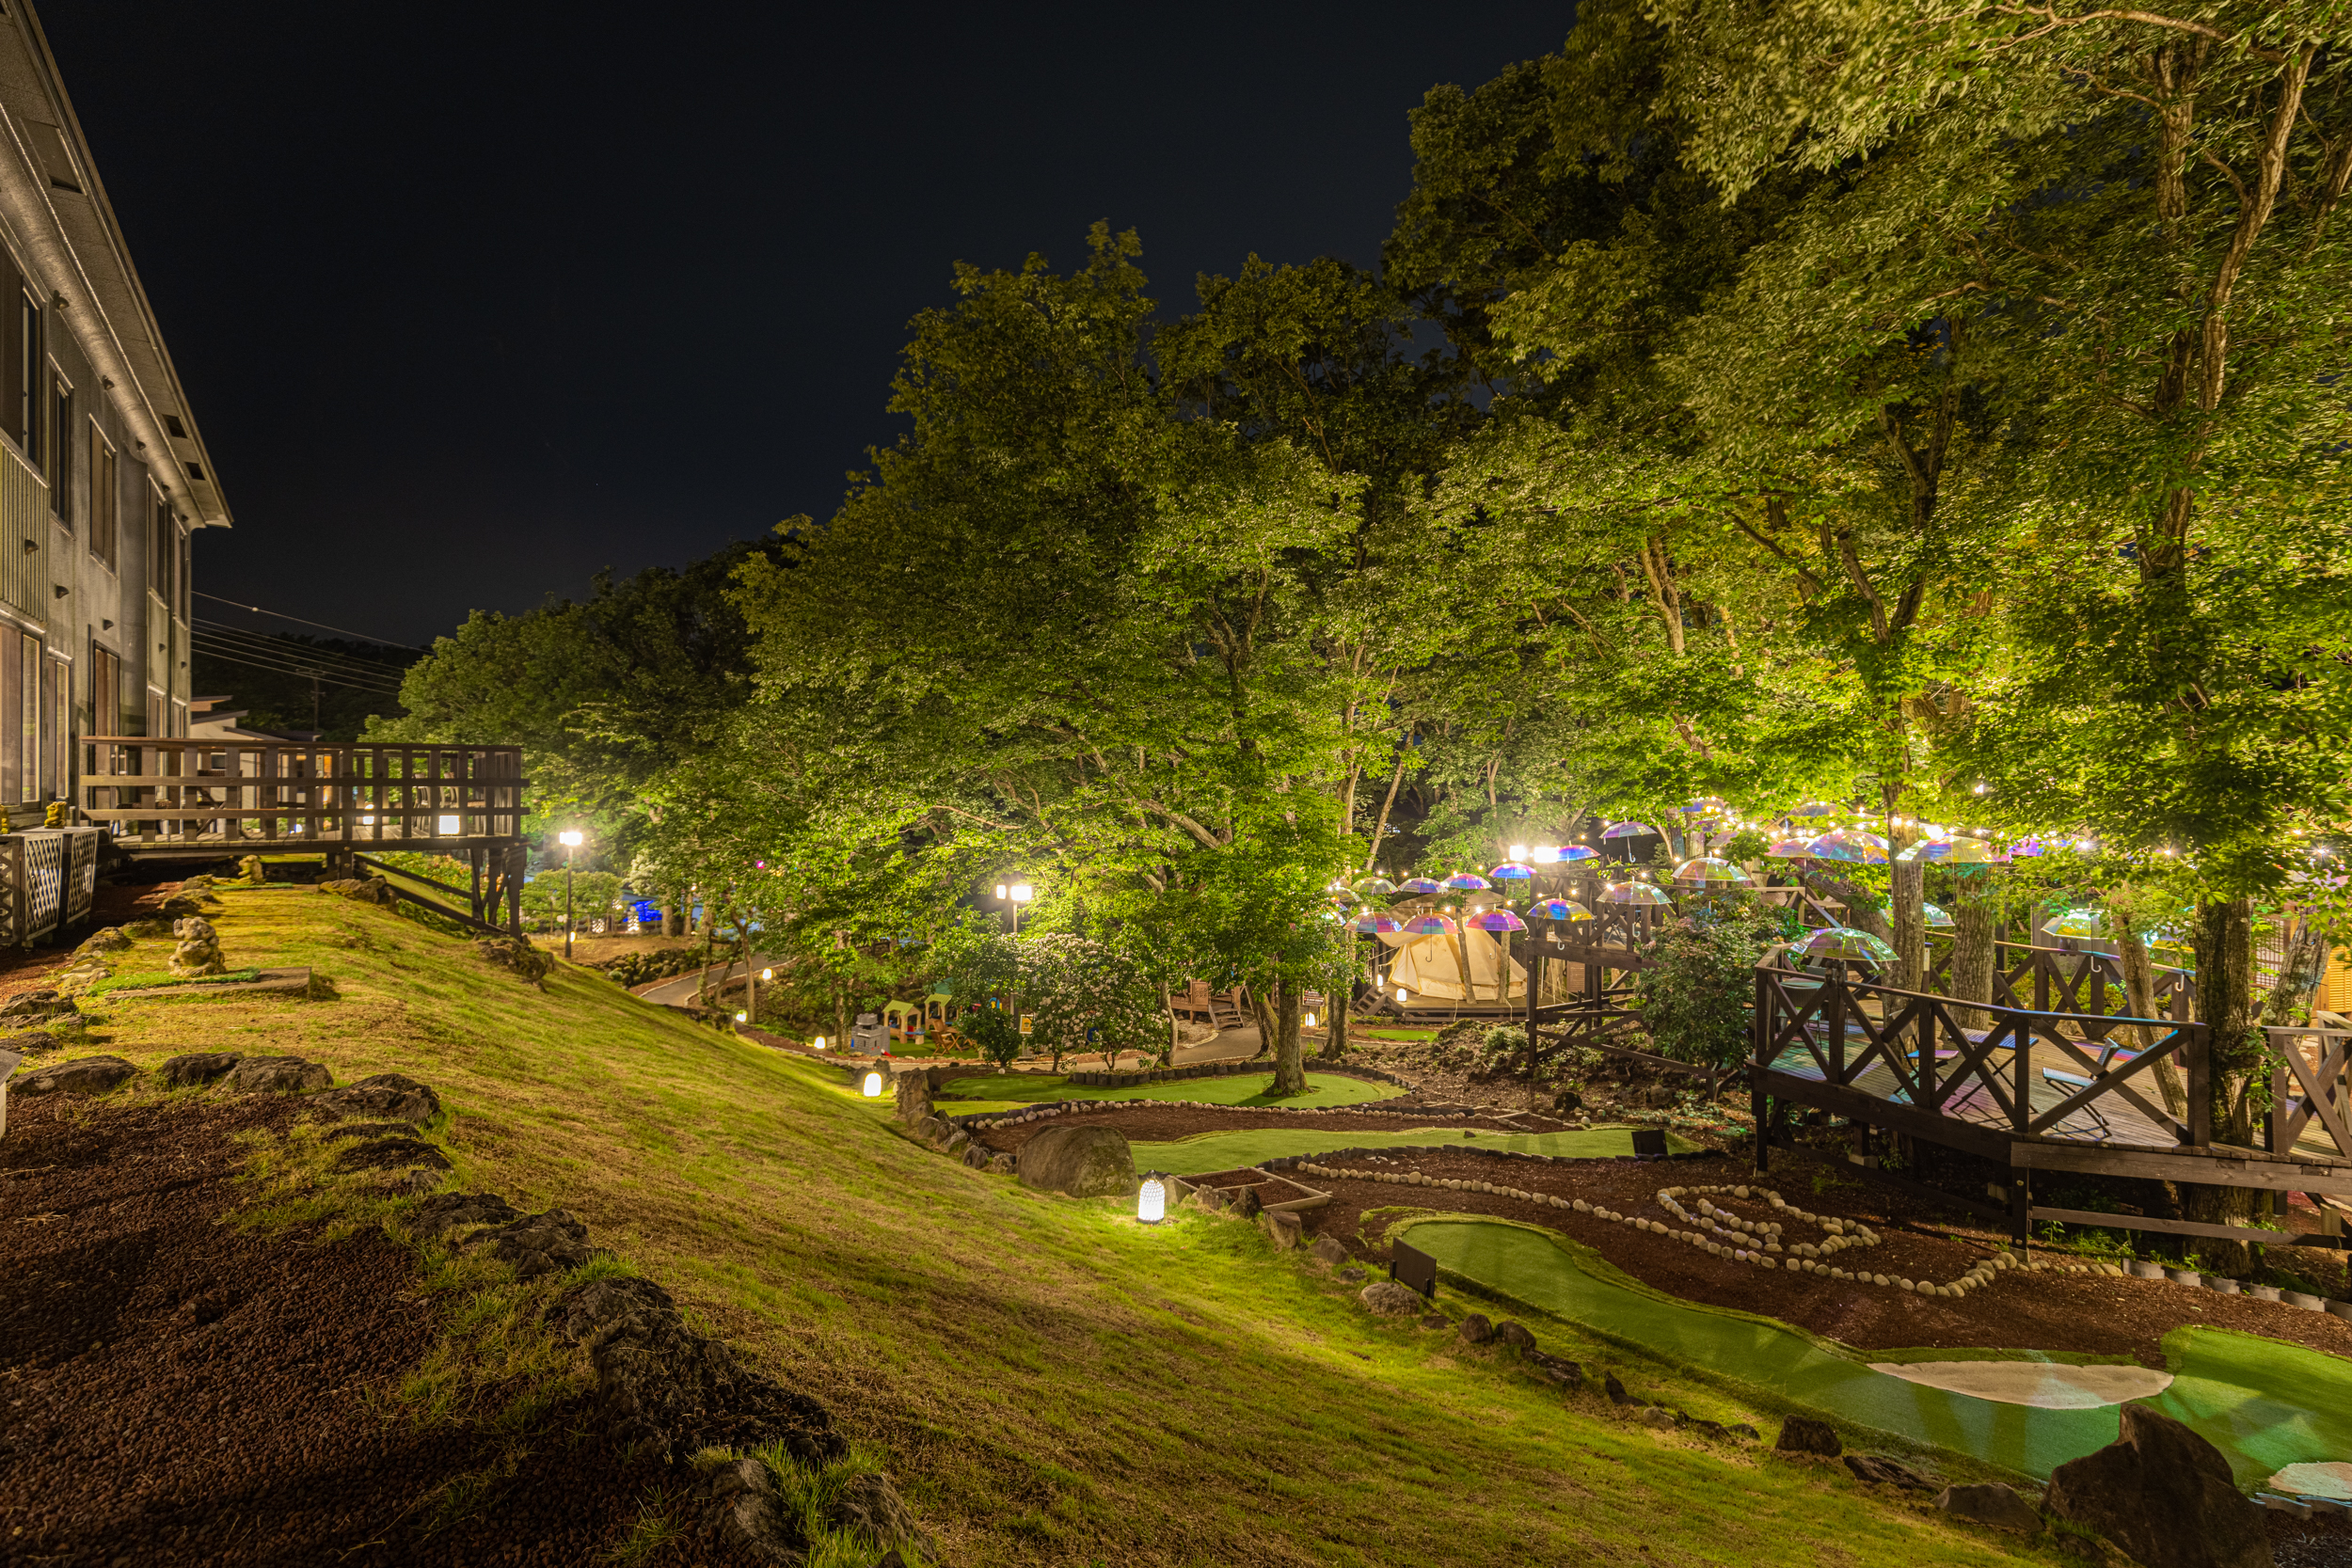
(682, 991)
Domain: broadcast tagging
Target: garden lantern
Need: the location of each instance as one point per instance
(1403, 996)
(873, 1086)
(819, 1042)
(1152, 1199)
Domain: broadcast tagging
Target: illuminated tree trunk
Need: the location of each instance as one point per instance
(1290, 1072)
(2139, 999)
(1909, 890)
(2227, 1005)
(1975, 940)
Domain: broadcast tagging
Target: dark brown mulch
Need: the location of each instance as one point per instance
(2322, 1541)
(1154, 1121)
(24, 968)
(172, 1393)
(2091, 1314)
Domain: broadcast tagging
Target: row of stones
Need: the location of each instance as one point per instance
(1064, 1107)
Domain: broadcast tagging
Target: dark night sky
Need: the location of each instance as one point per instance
(474, 300)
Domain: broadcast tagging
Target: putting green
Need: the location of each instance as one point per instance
(1240, 1089)
(1251, 1145)
(2264, 1403)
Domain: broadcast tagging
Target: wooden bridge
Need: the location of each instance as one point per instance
(209, 799)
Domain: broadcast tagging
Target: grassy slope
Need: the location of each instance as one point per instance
(1053, 1382)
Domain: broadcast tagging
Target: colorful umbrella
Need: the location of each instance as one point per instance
(1372, 924)
(1497, 920)
(1571, 854)
(2026, 848)
(1937, 920)
(1343, 898)
(2077, 923)
(1706, 805)
(1645, 894)
(1558, 909)
(1787, 849)
(1709, 871)
(1848, 844)
(1844, 942)
(1954, 851)
(1418, 886)
(1512, 871)
(1629, 830)
(1467, 881)
(1815, 808)
(1428, 925)
(1374, 887)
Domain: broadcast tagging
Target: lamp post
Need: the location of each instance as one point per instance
(1015, 894)
(570, 840)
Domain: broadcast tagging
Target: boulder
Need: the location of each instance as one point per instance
(536, 1243)
(397, 1153)
(1000, 1164)
(111, 939)
(1283, 1230)
(1991, 1504)
(1803, 1434)
(1477, 1330)
(1882, 1471)
(182, 905)
(390, 1096)
(1244, 1202)
(1083, 1162)
(366, 890)
(1652, 1416)
(1513, 1334)
(36, 1007)
(83, 1075)
(1353, 1272)
(1329, 1252)
(514, 953)
(276, 1075)
(975, 1155)
(1615, 1390)
(448, 1212)
(1389, 1299)
(2165, 1496)
(913, 1090)
(661, 1385)
(196, 1069)
(34, 1042)
(741, 1511)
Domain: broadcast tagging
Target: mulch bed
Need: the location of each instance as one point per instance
(2091, 1314)
(24, 968)
(172, 1393)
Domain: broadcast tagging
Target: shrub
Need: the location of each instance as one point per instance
(1698, 994)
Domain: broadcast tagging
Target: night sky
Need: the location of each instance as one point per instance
(471, 301)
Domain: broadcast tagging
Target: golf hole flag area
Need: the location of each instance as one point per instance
(2264, 1403)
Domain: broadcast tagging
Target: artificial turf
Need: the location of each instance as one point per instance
(1051, 1382)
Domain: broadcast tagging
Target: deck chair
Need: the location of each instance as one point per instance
(2068, 1083)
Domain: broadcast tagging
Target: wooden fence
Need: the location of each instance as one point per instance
(253, 795)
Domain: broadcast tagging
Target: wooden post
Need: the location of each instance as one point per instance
(2199, 1087)
(1534, 984)
(2020, 1207)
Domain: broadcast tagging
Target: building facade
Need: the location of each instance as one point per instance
(103, 476)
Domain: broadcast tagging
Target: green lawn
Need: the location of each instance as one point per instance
(1052, 1381)
(1250, 1145)
(1240, 1089)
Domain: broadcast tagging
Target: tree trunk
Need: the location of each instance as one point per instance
(1909, 887)
(2139, 999)
(2305, 964)
(1335, 1027)
(1290, 1072)
(1976, 945)
(1265, 1018)
(2225, 1004)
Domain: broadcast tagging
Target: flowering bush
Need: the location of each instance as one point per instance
(1074, 984)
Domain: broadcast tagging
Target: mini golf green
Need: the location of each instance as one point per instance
(1240, 1089)
(1251, 1145)
(2263, 1402)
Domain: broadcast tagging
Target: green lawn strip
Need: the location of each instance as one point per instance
(165, 977)
(1051, 1382)
(1003, 1091)
(1250, 1145)
(2267, 1403)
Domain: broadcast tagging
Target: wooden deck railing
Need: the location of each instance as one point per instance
(284, 794)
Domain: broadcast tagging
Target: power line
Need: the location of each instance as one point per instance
(324, 680)
(341, 631)
(255, 661)
(281, 643)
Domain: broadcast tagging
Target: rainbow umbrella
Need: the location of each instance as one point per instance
(1343, 898)
(1428, 925)
(1954, 851)
(1513, 871)
(1374, 887)
(1419, 886)
(1558, 909)
(1467, 881)
(1709, 871)
(1706, 805)
(1844, 942)
(2077, 923)
(1497, 920)
(2026, 848)
(1373, 923)
(1648, 894)
(1572, 854)
(1815, 808)
(1937, 920)
(1787, 849)
(1848, 844)
(1629, 830)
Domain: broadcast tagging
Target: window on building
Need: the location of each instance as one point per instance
(162, 554)
(60, 459)
(23, 384)
(102, 500)
(28, 702)
(105, 690)
(56, 694)
(156, 712)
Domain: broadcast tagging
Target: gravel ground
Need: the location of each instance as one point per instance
(172, 1393)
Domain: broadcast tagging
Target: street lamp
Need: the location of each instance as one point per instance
(570, 839)
(1016, 894)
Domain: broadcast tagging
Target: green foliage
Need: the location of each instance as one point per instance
(1697, 997)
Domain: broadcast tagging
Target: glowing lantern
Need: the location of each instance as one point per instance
(1152, 1199)
(873, 1086)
